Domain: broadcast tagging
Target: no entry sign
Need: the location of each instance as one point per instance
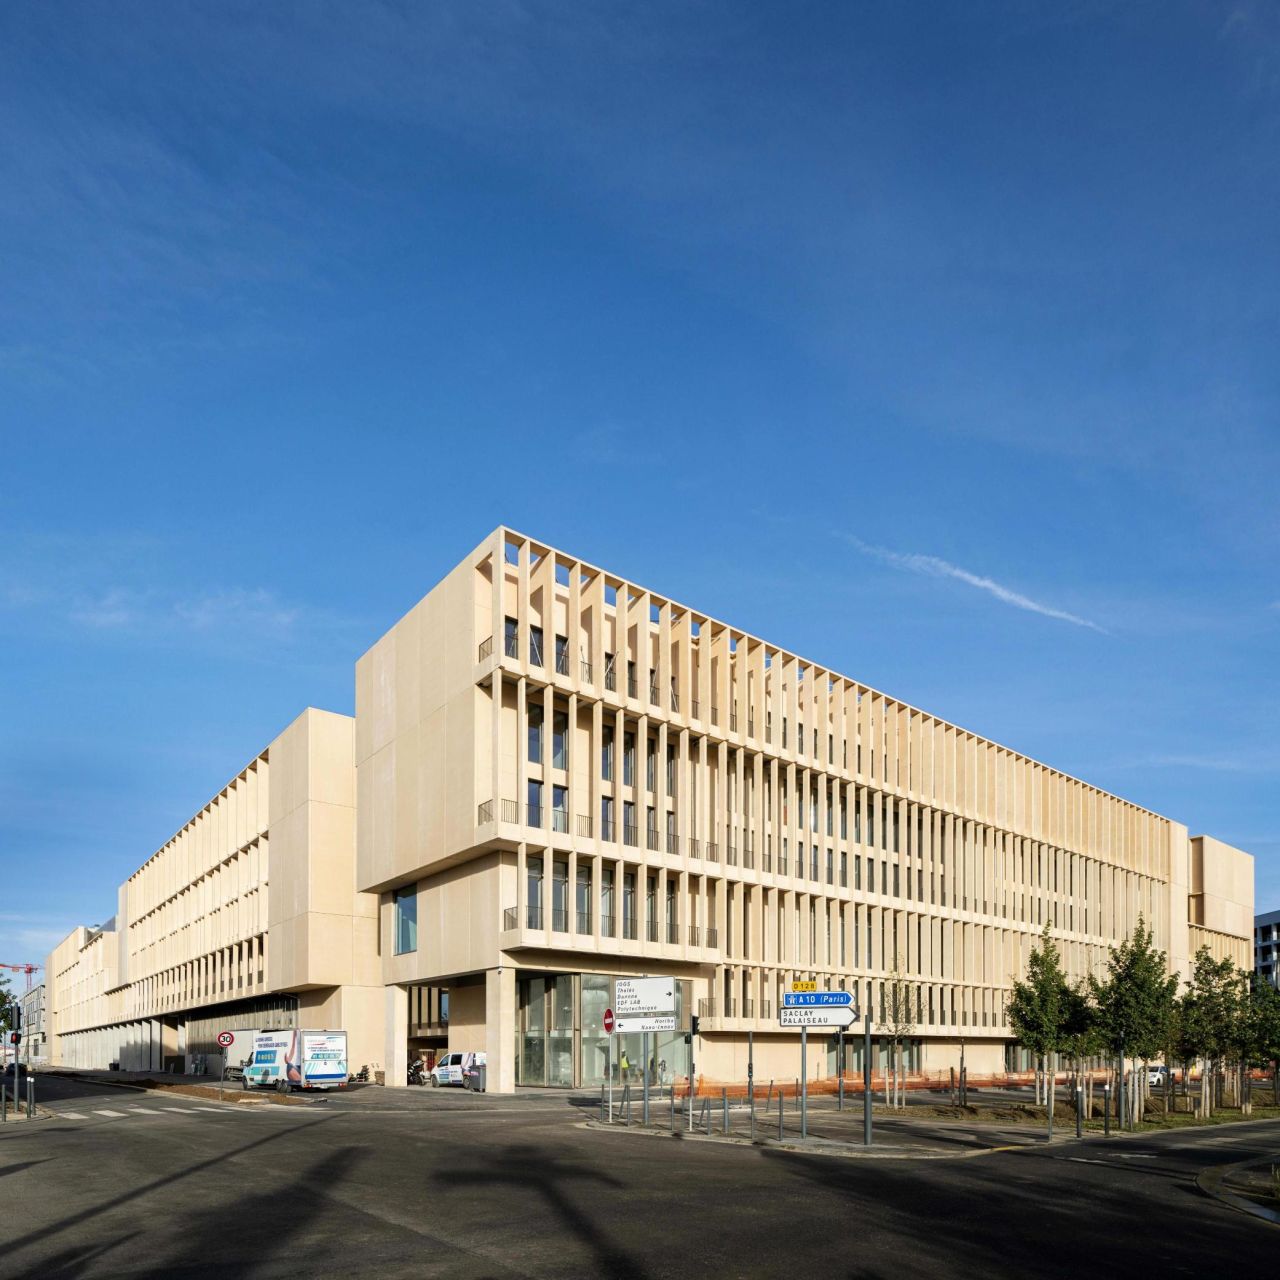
(608, 1021)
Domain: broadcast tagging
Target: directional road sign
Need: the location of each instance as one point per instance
(636, 1023)
(644, 995)
(835, 1015)
(823, 998)
(798, 984)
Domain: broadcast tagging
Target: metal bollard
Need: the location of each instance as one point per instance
(753, 1111)
(780, 1102)
(706, 1111)
(1079, 1110)
(31, 1098)
(673, 1110)
(768, 1098)
(1106, 1109)
(841, 1103)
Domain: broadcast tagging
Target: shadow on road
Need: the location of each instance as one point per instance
(534, 1171)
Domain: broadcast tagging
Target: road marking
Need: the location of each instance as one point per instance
(217, 1111)
(143, 1111)
(180, 1111)
(71, 1115)
(115, 1115)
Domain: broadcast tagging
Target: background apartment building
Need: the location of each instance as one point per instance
(247, 917)
(565, 778)
(1266, 947)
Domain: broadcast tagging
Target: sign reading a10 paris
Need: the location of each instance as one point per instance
(816, 1009)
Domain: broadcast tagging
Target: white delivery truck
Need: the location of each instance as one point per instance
(235, 1044)
(298, 1060)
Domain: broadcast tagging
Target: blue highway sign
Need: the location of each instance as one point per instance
(808, 999)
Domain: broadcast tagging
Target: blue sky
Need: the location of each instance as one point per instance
(935, 343)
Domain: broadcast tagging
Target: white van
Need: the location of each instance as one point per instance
(452, 1068)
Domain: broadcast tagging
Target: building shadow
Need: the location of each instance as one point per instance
(547, 1177)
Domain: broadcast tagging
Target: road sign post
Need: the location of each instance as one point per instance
(866, 1080)
(804, 1081)
(644, 1067)
(608, 1057)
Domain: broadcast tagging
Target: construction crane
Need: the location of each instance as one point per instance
(28, 969)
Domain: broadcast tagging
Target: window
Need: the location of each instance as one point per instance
(606, 818)
(606, 901)
(533, 892)
(813, 863)
(535, 733)
(610, 675)
(562, 655)
(628, 759)
(560, 740)
(560, 895)
(405, 906)
(651, 766)
(628, 822)
(511, 638)
(535, 803)
(831, 860)
(560, 809)
(535, 646)
(671, 771)
(584, 899)
(606, 754)
(628, 904)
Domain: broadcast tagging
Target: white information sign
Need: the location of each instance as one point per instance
(635, 1024)
(816, 1016)
(634, 996)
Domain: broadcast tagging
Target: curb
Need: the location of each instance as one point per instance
(835, 1150)
(1210, 1182)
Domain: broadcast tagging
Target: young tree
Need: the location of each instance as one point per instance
(1134, 1004)
(899, 1021)
(1039, 1006)
(1210, 1010)
(1259, 1031)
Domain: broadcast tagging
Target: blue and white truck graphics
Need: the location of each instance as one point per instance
(298, 1060)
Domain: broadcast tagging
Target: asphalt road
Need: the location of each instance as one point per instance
(123, 1183)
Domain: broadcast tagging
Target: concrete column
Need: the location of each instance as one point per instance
(500, 1028)
(396, 1057)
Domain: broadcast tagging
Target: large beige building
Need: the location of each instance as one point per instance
(563, 778)
(248, 916)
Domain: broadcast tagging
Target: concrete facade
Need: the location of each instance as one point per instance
(557, 778)
(572, 776)
(249, 916)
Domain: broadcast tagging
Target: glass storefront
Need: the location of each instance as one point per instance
(561, 1041)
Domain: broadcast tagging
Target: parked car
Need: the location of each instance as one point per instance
(1156, 1076)
(452, 1068)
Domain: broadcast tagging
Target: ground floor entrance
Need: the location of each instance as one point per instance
(561, 1041)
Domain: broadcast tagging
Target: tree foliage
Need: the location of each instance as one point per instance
(1134, 1002)
(1041, 1005)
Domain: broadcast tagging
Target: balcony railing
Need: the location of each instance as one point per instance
(559, 920)
(751, 726)
(653, 692)
(533, 916)
(584, 826)
(731, 853)
(715, 714)
(651, 838)
(695, 847)
(693, 708)
(713, 851)
(675, 701)
(673, 933)
(610, 679)
(629, 928)
(673, 844)
(695, 936)
(486, 649)
(511, 645)
(631, 686)
(630, 835)
(584, 921)
(767, 863)
(606, 926)
(586, 671)
(484, 813)
(782, 864)
(560, 820)
(562, 663)
(608, 830)
(748, 858)
(651, 930)
(510, 811)
(535, 653)
(533, 815)
(713, 937)
(733, 721)
(510, 917)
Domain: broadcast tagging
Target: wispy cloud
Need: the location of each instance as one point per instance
(936, 567)
(1245, 763)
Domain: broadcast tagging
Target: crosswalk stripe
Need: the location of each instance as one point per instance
(118, 1115)
(217, 1111)
(144, 1111)
(181, 1111)
(71, 1115)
